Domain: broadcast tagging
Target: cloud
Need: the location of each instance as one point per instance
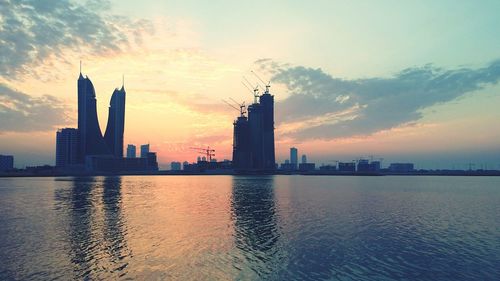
(20, 112)
(33, 30)
(324, 107)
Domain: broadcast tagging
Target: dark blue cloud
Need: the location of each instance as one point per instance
(376, 103)
(31, 30)
(20, 112)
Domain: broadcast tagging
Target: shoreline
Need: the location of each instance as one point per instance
(231, 173)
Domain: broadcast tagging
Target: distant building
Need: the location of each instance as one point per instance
(293, 157)
(144, 150)
(307, 167)
(185, 164)
(347, 167)
(365, 166)
(6, 163)
(67, 145)
(287, 166)
(175, 166)
(401, 167)
(304, 159)
(152, 162)
(328, 168)
(131, 151)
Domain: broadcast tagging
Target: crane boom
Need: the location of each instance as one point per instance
(231, 105)
(268, 85)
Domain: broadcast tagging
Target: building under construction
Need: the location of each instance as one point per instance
(253, 139)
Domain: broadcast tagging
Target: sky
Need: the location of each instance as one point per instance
(402, 81)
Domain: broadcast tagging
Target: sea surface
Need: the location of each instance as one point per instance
(250, 228)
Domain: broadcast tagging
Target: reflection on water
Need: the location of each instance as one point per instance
(95, 226)
(250, 228)
(255, 218)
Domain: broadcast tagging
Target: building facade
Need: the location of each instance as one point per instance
(6, 163)
(144, 150)
(67, 147)
(294, 160)
(131, 151)
(116, 123)
(91, 141)
(253, 138)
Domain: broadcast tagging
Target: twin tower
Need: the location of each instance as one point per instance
(91, 142)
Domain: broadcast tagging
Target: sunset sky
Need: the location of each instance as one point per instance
(406, 81)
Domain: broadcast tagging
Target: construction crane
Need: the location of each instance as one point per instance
(241, 106)
(268, 85)
(255, 90)
(205, 151)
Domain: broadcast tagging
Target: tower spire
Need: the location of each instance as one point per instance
(81, 76)
(123, 81)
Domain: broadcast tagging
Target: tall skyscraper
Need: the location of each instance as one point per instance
(267, 103)
(116, 123)
(293, 157)
(131, 151)
(253, 139)
(67, 141)
(255, 122)
(144, 150)
(242, 157)
(91, 140)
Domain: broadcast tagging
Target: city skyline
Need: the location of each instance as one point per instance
(423, 96)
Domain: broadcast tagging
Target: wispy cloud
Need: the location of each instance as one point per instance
(33, 30)
(330, 107)
(20, 112)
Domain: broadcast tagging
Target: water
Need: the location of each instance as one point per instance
(250, 228)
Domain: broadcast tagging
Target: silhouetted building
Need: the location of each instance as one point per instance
(131, 151)
(116, 123)
(67, 144)
(256, 141)
(347, 167)
(242, 159)
(294, 157)
(401, 167)
(328, 168)
(175, 166)
(152, 162)
(144, 150)
(203, 166)
(6, 163)
(363, 165)
(307, 167)
(253, 139)
(287, 166)
(375, 166)
(267, 103)
(91, 140)
(304, 158)
(185, 164)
